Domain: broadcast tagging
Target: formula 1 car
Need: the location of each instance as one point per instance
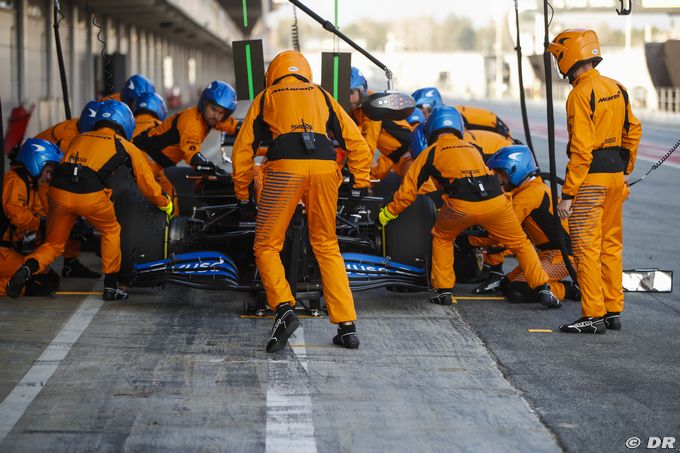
(211, 247)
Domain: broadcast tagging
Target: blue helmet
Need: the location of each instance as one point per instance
(134, 86)
(36, 153)
(516, 161)
(444, 118)
(87, 116)
(118, 113)
(418, 140)
(219, 93)
(357, 80)
(152, 102)
(428, 97)
(417, 117)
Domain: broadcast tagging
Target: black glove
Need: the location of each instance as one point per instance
(247, 209)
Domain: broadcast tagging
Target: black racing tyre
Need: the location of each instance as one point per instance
(386, 187)
(408, 238)
(142, 231)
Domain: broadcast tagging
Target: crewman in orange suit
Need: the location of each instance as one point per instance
(180, 136)
(603, 139)
(519, 175)
(301, 119)
(22, 226)
(133, 87)
(481, 119)
(472, 196)
(150, 110)
(392, 138)
(79, 189)
(61, 134)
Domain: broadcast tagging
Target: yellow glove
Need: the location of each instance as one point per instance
(168, 209)
(384, 217)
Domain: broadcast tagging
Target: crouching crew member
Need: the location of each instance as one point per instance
(472, 196)
(61, 134)
(150, 110)
(519, 175)
(301, 119)
(180, 136)
(80, 189)
(603, 139)
(21, 225)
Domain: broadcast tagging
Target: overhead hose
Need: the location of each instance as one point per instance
(522, 99)
(551, 142)
(295, 31)
(106, 61)
(58, 17)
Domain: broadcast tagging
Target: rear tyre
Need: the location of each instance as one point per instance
(387, 186)
(408, 238)
(142, 231)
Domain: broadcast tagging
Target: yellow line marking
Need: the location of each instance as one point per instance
(539, 330)
(272, 317)
(479, 297)
(78, 293)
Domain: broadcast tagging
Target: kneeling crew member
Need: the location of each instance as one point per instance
(80, 188)
(472, 196)
(150, 110)
(518, 173)
(21, 224)
(603, 139)
(301, 119)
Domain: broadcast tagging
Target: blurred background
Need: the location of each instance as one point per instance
(465, 48)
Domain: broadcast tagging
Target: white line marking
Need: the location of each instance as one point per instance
(297, 342)
(16, 403)
(290, 426)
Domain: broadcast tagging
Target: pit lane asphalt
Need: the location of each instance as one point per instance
(179, 369)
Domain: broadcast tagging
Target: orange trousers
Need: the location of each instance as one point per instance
(316, 183)
(553, 265)
(498, 218)
(64, 208)
(596, 228)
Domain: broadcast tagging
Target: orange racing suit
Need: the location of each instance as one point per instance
(144, 121)
(20, 215)
(292, 173)
(96, 155)
(177, 138)
(603, 139)
(472, 196)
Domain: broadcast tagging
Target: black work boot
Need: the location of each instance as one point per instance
(443, 296)
(111, 289)
(585, 325)
(21, 277)
(492, 285)
(73, 268)
(546, 298)
(613, 320)
(285, 323)
(347, 336)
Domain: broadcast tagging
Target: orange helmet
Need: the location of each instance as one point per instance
(289, 62)
(573, 46)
